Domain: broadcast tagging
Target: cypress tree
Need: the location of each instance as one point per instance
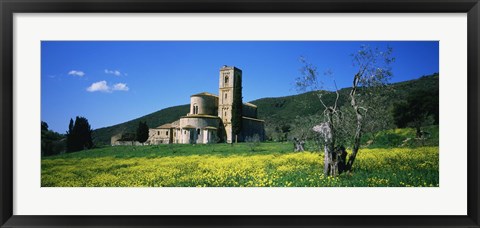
(237, 106)
(142, 132)
(70, 136)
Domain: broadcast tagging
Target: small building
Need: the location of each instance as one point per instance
(161, 135)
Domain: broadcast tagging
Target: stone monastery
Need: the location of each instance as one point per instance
(209, 119)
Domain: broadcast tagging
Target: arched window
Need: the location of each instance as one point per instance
(195, 109)
(226, 95)
(166, 132)
(158, 133)
(198, 131)
(226, 80)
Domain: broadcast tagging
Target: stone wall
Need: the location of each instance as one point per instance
(127, 143)
(250, 127)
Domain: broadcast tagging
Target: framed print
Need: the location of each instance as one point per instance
(212, 113)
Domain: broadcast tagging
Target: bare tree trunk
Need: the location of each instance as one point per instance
(356, 143)
(326, 161)
(358, 131)
(418, 129)
(330, 156)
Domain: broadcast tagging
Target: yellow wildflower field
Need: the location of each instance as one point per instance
(158, 166)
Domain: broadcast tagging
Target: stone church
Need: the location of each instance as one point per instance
(209, 119)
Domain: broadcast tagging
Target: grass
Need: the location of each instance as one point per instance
(272, 164)
(402, 137)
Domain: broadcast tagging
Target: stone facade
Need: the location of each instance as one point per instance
(160, 135)
(209, 119)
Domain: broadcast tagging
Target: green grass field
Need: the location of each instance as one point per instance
(222, 165)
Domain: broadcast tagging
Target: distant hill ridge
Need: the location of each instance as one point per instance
(274, 111)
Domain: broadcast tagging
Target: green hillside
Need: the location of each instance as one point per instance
(275, 111)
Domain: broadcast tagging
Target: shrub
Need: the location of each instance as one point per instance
(253, 142)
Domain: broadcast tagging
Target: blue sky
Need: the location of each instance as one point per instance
(110, 82)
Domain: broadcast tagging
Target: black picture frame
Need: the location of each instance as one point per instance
(10, 7)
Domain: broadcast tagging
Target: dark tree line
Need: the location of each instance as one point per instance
(420, 108)
(79, 137)
(51, 142)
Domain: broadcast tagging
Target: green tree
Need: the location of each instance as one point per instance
(237, 106)
(128, 136)
(286, 128)
(419, 109)
(51, 142)
(142, 132)
(79, 136)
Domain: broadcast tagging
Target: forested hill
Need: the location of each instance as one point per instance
(281, 111)
(276, 111)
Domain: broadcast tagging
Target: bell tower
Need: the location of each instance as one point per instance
(225, 96)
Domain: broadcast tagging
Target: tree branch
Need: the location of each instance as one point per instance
(338, 95)
(321, 101)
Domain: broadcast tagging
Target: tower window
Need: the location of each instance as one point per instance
(226, 95)
(195, 109)
(226, 80)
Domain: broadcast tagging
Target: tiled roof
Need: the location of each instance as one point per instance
(210, 128)
(204, 94)
(165, 126)
(250, 104)
(248, 118)
(200, 116)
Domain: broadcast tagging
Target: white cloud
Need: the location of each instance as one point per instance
(114, 72)
(100, 86)
(120, 87)
(76, 73)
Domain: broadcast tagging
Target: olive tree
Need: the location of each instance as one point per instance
(346, 124)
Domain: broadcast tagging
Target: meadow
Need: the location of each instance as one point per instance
(223, 165)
